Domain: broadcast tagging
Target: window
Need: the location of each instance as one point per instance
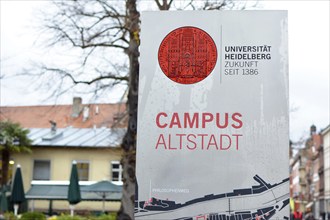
(116, 170)
(83, 170)
(41, 170)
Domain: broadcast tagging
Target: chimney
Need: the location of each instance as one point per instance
(53, 126)
(85, 113)
(97, 110)
(76, 107)
(313, 130)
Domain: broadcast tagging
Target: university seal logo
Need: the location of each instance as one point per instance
(187, 55)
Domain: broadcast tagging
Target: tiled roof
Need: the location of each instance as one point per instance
(77, 137)
(96, 115)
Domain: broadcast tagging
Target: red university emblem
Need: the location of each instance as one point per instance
(187, 55)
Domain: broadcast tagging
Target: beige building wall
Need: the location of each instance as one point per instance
(60, 168)
(82, 207)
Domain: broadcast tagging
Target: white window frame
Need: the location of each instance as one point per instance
(89, 167)
(119, 170)
(50, 168)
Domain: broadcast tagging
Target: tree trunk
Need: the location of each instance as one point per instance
(5, 166)
(126, 211)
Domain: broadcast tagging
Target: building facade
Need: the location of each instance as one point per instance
(89, 134)
(310, 177)
(96, 152)
(326, 167)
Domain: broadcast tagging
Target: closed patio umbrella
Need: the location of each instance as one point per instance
(3, 201)
(74, 196)
(17, 194)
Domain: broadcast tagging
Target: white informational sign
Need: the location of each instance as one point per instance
(213, 131)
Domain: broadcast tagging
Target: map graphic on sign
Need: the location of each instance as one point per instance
(238, 204)
(212, 136)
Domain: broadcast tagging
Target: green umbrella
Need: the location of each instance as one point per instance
(17, 194)
(74, 196)
(3, 201)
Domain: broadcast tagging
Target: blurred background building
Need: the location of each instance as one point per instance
(310, 174)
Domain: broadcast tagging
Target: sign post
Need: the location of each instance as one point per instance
(213, 116)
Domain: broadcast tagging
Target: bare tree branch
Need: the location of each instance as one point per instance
(64, 74)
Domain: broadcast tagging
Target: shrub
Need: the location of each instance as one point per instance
(33, 215)
(68, 217)
(112, 216)
(107, 217)
(9, 216)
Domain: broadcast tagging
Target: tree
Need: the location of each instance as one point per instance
(13, 138)
(98, 32)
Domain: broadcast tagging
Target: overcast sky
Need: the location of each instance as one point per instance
(308, 60)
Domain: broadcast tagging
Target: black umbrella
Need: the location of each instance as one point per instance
(74, 196)
(17, 194)
(103, 188)
(3, 201)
